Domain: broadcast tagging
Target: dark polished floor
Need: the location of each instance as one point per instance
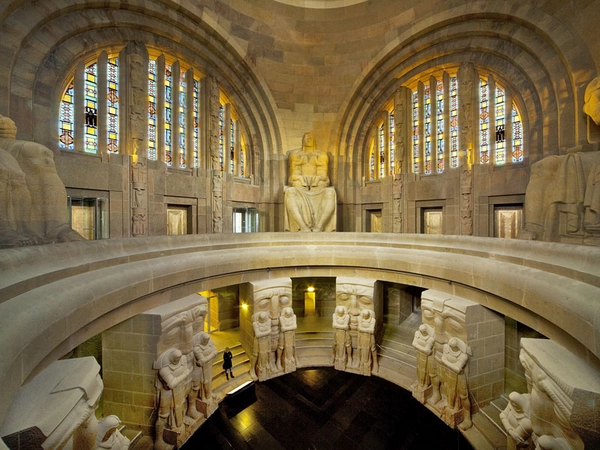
(324, 409)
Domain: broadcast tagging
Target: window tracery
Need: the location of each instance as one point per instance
(90, 112)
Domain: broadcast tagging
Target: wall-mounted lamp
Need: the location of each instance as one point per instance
(244, 306)
(311, 289)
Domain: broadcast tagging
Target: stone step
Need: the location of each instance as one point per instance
(398, 354)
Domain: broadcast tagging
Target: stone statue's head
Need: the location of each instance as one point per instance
(308, 140)
(8, 129)
(592, 100)
(175, 356)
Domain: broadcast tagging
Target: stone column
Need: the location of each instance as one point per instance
(402, 111)
(215, 162)
(468, 82)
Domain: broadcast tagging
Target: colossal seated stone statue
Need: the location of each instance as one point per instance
(310, 203)
(33, 200)
(562, 200)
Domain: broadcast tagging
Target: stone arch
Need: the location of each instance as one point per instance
(49, 50)
(538, 57)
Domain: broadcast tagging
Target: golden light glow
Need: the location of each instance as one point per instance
(244, 306)
(311, 289)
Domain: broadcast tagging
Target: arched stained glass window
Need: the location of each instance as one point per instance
(500, 124)
(494, 112)
(484, 122)
(221, 134)
(427, 120)
(182, 119)
(168, 114)
(152, 120)
(112, 104)
(392, 143)
(517, 137)
(66, 125)
(91, 104)
(415, 133)
(381, 151)
(440, 125)
(196, 103)
(91, 108)
(232, 145)
(453, 122)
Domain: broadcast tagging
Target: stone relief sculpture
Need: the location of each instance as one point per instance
(273, 327)
(355, 307)
(288, 329)
(442, 359)
(205, 352)
(172, 383)
(109, 436)
(33, 199)
(310, 203)
(516, 421)
(563, 393)
(366, 343)
(342, 346)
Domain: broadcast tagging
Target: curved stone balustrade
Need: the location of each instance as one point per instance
(55, 297)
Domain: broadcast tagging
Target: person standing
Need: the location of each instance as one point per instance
(227, 365)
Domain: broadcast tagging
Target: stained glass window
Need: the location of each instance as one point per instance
(440, 125)
(416, 149)
(242, 158)
(152, 110)
(484, 122)
(91, 108)
(392, 143)
(221, 134)
(182, 116)
(500, 123)
(112, 104)
(453, 122)
(517, 135)
(381, 151)
(168, 114)
(372, 165)
(232, 146)
(196, 103)
(66, 125)
(427, 120)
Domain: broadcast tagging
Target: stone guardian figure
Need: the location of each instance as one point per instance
(205, 352)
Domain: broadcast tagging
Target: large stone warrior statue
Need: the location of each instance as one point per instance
(310, 203)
